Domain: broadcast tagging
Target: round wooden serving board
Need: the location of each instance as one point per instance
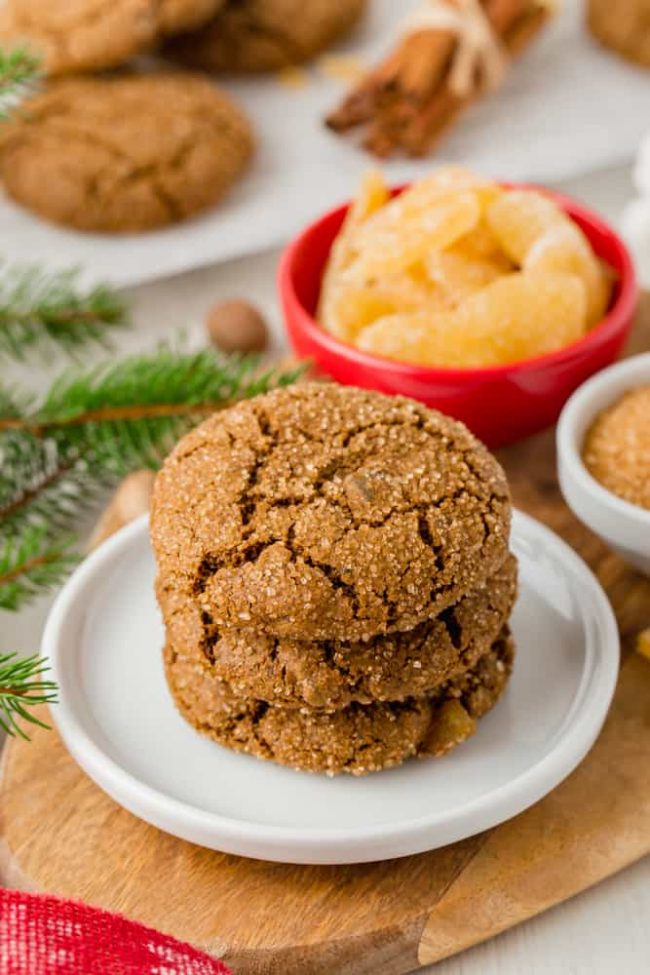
(61, 834)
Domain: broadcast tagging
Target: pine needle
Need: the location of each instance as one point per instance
(36, 305)
(22, 686)
(124, 415)
(19, 73)
(31, 563)
(92, 428)
(40, 487)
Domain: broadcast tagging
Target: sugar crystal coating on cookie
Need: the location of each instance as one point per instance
(328, 512)
(357, 739)
(333, 674)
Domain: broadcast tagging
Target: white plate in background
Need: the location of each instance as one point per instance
(568, 107)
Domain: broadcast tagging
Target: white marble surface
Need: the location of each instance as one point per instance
(602, 931)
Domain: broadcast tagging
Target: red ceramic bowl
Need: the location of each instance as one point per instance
(500, 404)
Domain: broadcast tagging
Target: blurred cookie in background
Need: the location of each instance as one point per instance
(265, 35)
(124, 154)
(622, 26)
(88, 35)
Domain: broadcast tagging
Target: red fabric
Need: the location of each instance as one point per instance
(46, 936)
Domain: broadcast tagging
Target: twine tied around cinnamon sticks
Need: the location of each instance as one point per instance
(447, 54)
(479, 58)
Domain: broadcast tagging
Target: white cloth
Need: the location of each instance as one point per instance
(566, 107)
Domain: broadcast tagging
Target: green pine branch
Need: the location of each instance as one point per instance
(127, 414)
(19, 73)
(23, 686)
(30, 563)
(41, 309)
(40, 487)
(97, 425)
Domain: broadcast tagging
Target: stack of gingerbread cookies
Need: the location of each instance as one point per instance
(335, 578)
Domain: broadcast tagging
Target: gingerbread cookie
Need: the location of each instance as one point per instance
(357, 739)
(334, 674)
(264, 35)
(124, 154)
(89, 35)
(323, 512)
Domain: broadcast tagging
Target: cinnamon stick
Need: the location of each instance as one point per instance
(406, 102)
(432, 124)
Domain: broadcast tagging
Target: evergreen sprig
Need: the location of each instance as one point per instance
(30, 563)
(95, 426)
(19, 72)
(23, 686)
(38, 308)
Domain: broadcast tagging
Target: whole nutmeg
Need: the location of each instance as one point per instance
(237, 326)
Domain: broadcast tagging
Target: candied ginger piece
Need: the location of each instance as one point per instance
(643, 643)
(458, 276)
(518, 316)
(394, 238)
(373, 194)
(519, 217)
(353, 306)
(480, 244)
(521, 316)
(444, 181)
(565, 248)
(421, 338)
(451, 725)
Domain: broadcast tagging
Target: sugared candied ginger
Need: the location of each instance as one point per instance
(458, 272)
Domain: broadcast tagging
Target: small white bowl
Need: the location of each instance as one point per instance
(625, 527)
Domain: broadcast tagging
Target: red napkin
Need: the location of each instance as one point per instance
(46, 936)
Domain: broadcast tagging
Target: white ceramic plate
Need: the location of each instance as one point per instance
(116, 717)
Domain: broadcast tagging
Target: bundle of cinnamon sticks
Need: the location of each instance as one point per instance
(407, 102)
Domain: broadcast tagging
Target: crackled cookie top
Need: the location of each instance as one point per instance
(328, 512)
(87, 35)
(126, 153)
(332, 674)
(263, 35)
(357, 739)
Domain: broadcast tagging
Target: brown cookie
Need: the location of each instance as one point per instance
(357, 739)
(124, 154)
(87, 35)
(331, 675)
(325, 512)
(623, 27)
(264, 35)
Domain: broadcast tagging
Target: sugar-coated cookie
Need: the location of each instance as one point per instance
(88, 35)
(264, 35)
(124, 154)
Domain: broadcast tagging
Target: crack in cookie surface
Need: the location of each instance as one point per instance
(332, 674)
(284, 527)
(357, 739)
